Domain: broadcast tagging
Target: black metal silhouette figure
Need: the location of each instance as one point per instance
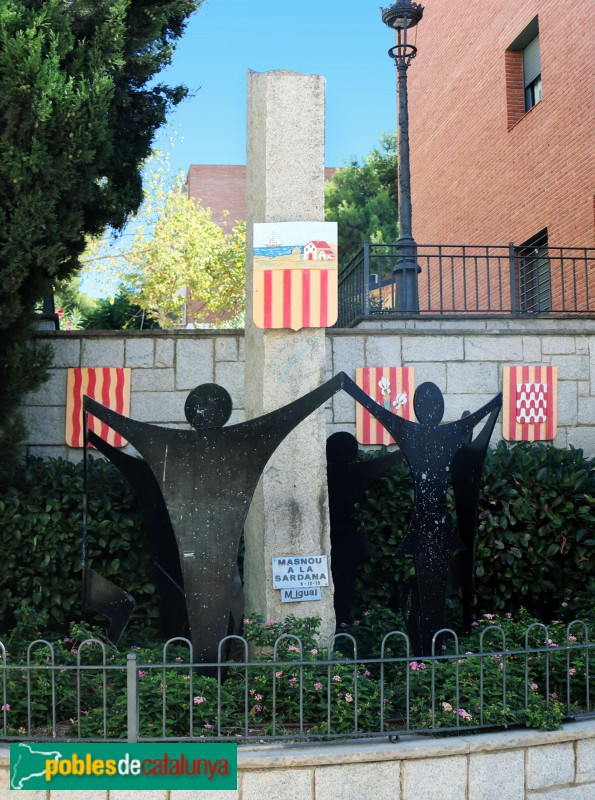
(429, 448)
(348, 480)
(207, 477)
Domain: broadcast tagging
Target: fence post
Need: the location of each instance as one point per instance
(512, 267)
(132, 696)
(366, 278)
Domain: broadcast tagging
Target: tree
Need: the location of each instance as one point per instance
(362, 199)
(79, 110)
(178, 254)
(187, 255)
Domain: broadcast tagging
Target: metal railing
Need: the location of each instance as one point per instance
(297, 693)
(471, 279)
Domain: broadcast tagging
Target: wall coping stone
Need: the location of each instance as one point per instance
(136, 334)
(407, 748)
(354, 751)
(424, 326)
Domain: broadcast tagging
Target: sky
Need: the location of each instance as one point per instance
(343, 40)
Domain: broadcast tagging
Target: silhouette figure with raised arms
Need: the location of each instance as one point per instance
(207, 477)
(429, 448)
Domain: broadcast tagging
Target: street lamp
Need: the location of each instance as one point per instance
(401, 17)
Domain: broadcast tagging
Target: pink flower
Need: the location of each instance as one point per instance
(564, 605)
(5, 708)
(357, 622)
(142, 673)
(349, 698)
(198, 700)
(293, 649)
(177, 658)
(314, 651)
(367, 673)
(256, 709)
(207, 726)
(572, 639)
(488, 616)
(474, 624)
(318, 686)
(337, 678)
(258, 697)
(464, 714)
(269, 622)
(278, 674)
(554, 696)
(417, 665)
(292, 681)
(446, 707)
(572, 671)
(533, 686)
(74, 651)
(343, 625)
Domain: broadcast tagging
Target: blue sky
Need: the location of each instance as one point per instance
(343, 40)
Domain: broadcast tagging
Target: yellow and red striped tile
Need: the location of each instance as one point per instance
(110, 386)
(391, 387)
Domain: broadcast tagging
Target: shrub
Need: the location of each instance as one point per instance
(536, 540)
(489, 679)
(41, 524)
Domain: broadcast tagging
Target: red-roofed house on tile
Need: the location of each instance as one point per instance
(318, 251)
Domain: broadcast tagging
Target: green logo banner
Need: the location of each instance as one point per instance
(50, 766)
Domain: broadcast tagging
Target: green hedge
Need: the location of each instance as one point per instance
(40, 529)
(536, 538)
(535, 545)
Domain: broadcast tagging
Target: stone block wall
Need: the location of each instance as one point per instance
(465, 358)
(165, 366)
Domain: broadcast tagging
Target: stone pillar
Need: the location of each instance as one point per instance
(285, 183)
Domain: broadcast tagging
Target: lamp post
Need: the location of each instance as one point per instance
(401, 17)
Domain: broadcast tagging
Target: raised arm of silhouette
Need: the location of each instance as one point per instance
(466, 471)
(207, 477)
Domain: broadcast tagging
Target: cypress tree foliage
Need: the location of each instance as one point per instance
(78, 114)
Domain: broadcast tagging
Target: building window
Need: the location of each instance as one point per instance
(534, 280)
(532, 73)
(523, 73)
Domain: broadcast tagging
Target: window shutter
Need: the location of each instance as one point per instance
(531, 62)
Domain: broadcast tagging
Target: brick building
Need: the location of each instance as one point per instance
(222, 187)
(502, 123)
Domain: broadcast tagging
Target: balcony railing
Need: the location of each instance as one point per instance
(471, 279)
